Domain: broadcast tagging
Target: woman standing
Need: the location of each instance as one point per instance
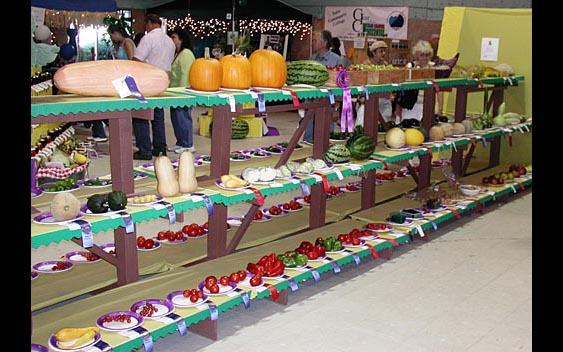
(181, 117)
(124, 46)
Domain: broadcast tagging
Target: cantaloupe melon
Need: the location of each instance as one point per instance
(413, 137)
(436, 133)
(468, 125)
(458, 128)
(395, 137)
(448, 128)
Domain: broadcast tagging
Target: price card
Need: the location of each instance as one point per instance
(126, 86)
(338, 173)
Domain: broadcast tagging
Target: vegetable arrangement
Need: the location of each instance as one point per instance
(102, 203)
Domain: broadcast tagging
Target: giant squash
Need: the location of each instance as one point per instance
(166, 179)
(94, 78)
(186, 172)
(395, 138)
(236, 71)
(206, 73)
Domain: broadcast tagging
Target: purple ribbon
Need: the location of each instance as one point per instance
(314, 272)
(354, 255)
(292, 284)
(347, 116)
(335, 266)
(213, 312)
(244, 297)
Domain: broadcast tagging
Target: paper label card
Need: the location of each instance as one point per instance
(489, 49)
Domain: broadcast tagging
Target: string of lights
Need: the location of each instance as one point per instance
(201, 29)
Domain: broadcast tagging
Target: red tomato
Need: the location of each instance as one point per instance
(206, 225)
(212, 279)
(149, 243)
(194, 298)
(194, 291)
(161, 235)
(141, 241)
(234, 277)
(192, 232)
(199, 293)
(171, 236)
(342, 238)
(256, 280)
(200, 231)
(356, 241)
(286, 206)
(179, 236)
(185, 229)
(307, 198)
(186, 293)
(214, 288)
(274, 210)
(241, 275)
(193, 225)
(224, 280)
(258, 215)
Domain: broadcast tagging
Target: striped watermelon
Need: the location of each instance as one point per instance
(306, 72)
(239, 129)
(362, 147)
(337, 153)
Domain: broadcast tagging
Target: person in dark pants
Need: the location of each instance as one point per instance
(155, 48)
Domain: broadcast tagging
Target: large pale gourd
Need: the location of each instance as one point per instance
(458, 128)
(395, 137)
(167, 181)
(237, 73)
(65, 206)
(468, 125)
(186, 172)
(206, 73)
(448, 128)
(268, 68)
(94, 78)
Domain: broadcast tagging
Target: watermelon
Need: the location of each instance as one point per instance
(337, 153)
(306, 72)
(239, 129)
(362, 147)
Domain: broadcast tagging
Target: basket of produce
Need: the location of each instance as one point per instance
(62, 166)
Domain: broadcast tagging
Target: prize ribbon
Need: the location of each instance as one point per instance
(346, 117)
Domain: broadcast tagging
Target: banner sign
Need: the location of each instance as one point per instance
(349, 22)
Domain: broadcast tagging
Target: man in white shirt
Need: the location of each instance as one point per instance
(158, 49)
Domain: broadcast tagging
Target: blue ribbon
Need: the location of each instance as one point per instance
(292, 283)
(147, 338)
(484, 140)
(357, 259)
(182, 329)
(304, 188)
(208, 202)
(330, 96)
(314, 272)
(129, 227)
(261, 103)
(213, 310)
(86, 232)
(335, 266)
(434, 226)
(244, 297)
(103, 346)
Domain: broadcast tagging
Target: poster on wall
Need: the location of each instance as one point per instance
(348, 22)
(277, 42)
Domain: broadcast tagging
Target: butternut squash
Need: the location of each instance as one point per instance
(186, 172)
(166, 178)
(65, 206)
(69, 334)
(94, 78)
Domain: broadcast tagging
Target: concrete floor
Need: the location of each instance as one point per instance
(468, 290)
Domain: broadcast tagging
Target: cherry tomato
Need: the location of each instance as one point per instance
(194, 291)
(141, 241)
(194, 298)
(193, 225)
(286, 206)
(206, 225)
(307, 198)
(241, 275)
(356, 241)
(224, 280)
(199, 293)
(234, 277)
(149, 243)
(200, 231)
(185, 229)
(186, 293)
(258, 215)
(171, 236)
(214, 288)
(161, 235)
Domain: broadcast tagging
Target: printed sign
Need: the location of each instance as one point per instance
(348, 22)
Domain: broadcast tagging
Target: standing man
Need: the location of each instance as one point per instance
(322, 41)
(155, 48)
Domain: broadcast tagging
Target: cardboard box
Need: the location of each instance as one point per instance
(254, 125)
(386, 76)
(420, 74)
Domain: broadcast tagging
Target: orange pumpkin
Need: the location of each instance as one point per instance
(268, 68)
(236, 71)
(206, 73)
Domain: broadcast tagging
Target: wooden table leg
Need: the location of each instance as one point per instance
(206, 328)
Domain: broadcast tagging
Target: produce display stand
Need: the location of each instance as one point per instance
(317, 102)
(204, 319)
